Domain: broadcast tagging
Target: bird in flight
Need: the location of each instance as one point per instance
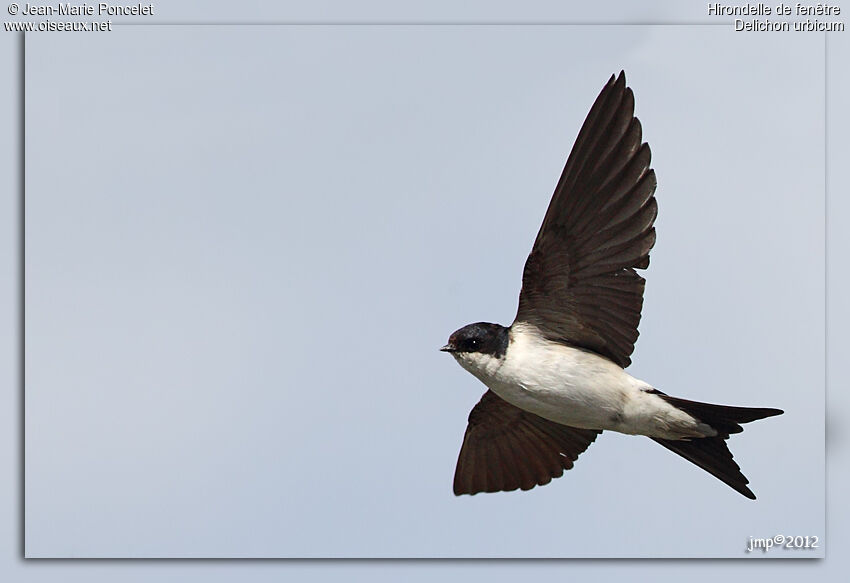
(556, 377)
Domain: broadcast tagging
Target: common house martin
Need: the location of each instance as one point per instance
(556, 377)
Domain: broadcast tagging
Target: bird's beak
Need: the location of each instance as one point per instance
(447, 348)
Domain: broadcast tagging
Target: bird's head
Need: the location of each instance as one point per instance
(479, 346)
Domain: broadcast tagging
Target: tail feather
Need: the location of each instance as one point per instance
(711, 453)
(724, 419)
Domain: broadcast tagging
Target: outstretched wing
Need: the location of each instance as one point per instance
(506, 448)
(579, 285)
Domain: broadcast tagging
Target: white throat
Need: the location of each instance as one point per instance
(485, 367)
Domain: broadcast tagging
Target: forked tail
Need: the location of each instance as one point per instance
(711, 453)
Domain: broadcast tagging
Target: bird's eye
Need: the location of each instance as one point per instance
(472, 343)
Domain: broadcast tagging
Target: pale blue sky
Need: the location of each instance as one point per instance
(225, 438)
(244, 246)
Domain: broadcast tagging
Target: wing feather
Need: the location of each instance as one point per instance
(506, 448)
(579, 283)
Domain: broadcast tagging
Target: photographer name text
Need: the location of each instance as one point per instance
(99, 9)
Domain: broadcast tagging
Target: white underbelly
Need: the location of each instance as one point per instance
(578, 388)
(566, 385)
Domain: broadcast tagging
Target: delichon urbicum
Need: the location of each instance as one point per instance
(555, 376)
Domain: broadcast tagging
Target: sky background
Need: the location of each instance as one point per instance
(251, 163)
(245, 245)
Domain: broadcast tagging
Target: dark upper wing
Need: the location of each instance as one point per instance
(579, 284)
(506, 448)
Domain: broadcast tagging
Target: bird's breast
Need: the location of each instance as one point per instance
(561, 383)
